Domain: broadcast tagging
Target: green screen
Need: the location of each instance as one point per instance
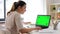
(43, 20)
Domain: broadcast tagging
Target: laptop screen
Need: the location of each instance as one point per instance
(43, 20)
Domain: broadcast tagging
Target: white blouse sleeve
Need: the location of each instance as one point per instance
(18, 22)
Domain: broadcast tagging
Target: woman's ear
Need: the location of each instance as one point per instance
(19, 7)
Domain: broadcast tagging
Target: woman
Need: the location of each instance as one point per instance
(13, 20)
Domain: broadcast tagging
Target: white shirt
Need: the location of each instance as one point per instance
(13, 22)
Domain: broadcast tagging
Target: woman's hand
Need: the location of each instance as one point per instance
(25, 30)
(38, 28)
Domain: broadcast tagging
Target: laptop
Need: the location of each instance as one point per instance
(43, 21)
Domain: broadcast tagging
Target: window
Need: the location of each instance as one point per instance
(2, 10)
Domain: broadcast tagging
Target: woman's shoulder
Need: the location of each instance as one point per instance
(14, 13)
(11, 13)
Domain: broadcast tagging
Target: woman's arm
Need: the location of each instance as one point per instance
(20, 26)
(29, 29)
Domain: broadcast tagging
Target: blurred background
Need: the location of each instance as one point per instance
(34, 8)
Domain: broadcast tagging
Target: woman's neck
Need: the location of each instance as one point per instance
(18, 11)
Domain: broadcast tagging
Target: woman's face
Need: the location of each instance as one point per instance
(22, 9)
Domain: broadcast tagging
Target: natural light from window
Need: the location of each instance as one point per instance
(34, 8)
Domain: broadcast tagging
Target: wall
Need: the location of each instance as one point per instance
(34, 8)
(51, 2)
(56, 1)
